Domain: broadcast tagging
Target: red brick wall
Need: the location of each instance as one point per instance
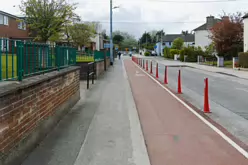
(12, 30)
(99, 68)
(22, 110)
(108, 62)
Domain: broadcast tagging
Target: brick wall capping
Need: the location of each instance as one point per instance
(10, 87)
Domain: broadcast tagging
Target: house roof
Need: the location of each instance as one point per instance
(245, 16)
(204, 26)
(172, 37)
(8, 14)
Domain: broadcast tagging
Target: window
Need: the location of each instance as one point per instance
(1, 19)
(5, 20)
(5, 44)
(22, 25)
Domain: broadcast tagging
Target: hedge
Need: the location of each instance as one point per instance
(167, 52)
(182, 53)
(147, 53)
(173, 52)
(243, 59)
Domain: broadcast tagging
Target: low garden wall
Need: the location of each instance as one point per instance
(100, 67)
(31, 108)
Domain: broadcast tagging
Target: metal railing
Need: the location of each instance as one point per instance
(20, 59)
(90, 73)
(90, 56)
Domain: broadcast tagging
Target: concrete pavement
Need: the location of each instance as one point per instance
(102, 129)
(173, 133)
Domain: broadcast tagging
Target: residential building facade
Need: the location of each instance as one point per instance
(245, 33)
(168, 39)
(202, 33)
(97, 41)
(11, 28)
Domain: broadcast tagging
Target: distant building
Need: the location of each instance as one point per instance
(245, 33)
(202, 33)
(12, 27)
(97, 42)
(168, 39)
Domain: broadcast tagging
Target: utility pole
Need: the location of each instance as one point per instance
(111, 35)
(146, 38)
(161, 43)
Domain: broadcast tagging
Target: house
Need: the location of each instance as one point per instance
(245, 18)
(97, 41)
(168, 39)
(202, 33)
(11, 28)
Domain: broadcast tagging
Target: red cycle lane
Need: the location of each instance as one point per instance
(173, 134)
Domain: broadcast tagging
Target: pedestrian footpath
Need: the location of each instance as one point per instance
(102, 129)
(173, 134)
(227, 71)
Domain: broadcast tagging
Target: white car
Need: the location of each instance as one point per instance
(154, 53)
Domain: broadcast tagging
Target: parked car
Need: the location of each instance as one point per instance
(153, 53)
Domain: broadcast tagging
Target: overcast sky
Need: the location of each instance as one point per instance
(138, 16)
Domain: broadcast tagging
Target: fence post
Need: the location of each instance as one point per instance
(19, 60)
(88, 75)
(105, 61)
(57, 56)
(0, 59)
(93, 74)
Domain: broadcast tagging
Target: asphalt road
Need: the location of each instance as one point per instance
(228, 95)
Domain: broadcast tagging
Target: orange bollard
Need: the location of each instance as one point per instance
(157, 71)
(151, 68)
(206, 101)
(146, 65)
(166, 75)
(179, 89)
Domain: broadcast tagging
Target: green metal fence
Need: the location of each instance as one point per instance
(85, 56)
(20, 59)
(99, 55)
(92, 56)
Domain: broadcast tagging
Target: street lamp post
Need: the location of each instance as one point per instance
(111, 36)
(111, 32)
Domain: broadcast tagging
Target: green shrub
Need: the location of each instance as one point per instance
(166, 52)
(147, 53)
(173, 52)
(182, 52)
(191, 53)
(243, 59)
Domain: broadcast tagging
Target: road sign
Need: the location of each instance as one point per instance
(155, 46)
(106, 45)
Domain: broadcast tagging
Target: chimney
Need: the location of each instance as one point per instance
(210, 22)
(225, 18)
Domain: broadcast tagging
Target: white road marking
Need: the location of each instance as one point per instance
(230, 141)
(242, 89)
